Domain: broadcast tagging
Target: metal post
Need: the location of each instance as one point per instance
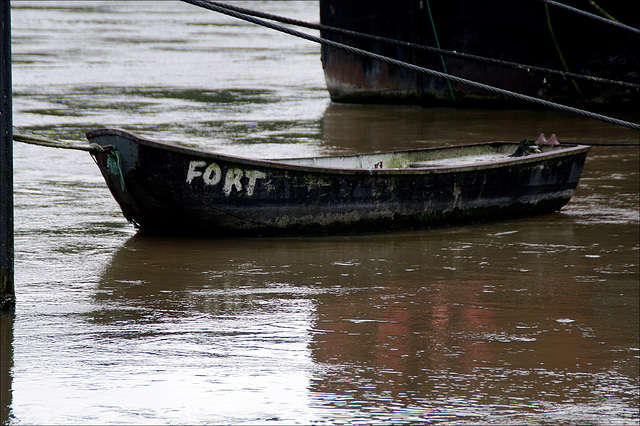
(7, 291)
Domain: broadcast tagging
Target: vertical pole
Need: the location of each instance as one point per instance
(7, 291)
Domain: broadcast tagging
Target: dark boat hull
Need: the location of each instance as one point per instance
(169, 189)
(501, 29)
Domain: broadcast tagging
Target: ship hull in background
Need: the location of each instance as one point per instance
(502, 29)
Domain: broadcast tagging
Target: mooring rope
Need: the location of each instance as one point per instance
(34, 139)
(558, 50)
(420, 47)
(592, 16)
(114, 163)
(435, 36)
(114, 160)
(491, 89)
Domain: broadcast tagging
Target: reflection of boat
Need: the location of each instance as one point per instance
(166, 188)
(525, 32)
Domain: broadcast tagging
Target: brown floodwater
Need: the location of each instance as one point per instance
(533, 321)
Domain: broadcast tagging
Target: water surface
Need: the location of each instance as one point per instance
(524, 321)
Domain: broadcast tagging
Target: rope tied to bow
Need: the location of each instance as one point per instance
(34, 139)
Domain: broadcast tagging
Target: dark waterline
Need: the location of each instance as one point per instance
(524, 321)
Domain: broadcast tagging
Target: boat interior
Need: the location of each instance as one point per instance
(452, 156)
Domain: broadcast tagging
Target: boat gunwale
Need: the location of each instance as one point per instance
(282, 164)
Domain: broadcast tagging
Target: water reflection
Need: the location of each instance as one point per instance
(526, 321)
(429, 335)
(454, 323)
(364, 128)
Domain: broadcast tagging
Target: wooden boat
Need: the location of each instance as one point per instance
(166, 188)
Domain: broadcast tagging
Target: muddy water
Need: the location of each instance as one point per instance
(523, 321)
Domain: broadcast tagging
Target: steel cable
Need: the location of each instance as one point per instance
(592, 16)
(216, 7)
(420, 47)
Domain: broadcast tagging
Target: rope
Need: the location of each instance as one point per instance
(602, 11)
(114, 161)
(592, 16)
(435, 35)
(114, 164)
(558, 50)
(52, 143)
(603, 143)
(420, 47)
(225, 10)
